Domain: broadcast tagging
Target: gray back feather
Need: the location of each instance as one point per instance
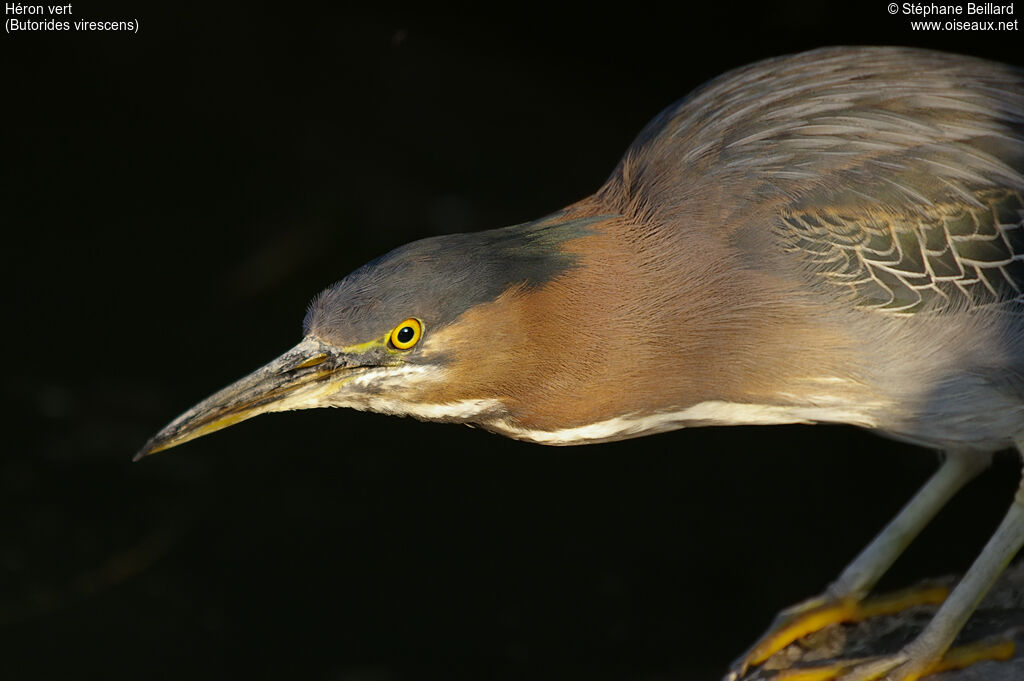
(895, 173)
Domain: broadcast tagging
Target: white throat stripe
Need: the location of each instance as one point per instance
(704, 413)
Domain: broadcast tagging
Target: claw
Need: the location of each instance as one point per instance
(994, 650)
(793, 628)
(877, 669)
(818, 614)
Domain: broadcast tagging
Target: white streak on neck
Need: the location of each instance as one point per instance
(702, 414)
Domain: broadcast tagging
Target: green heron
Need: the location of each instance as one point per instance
(835, 236)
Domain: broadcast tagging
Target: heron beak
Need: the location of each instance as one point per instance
(298, 379)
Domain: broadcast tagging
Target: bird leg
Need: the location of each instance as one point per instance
(930, 651)
(923, 653)
(861, 575)
(842, 601)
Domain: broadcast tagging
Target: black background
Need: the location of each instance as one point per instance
(172, 200)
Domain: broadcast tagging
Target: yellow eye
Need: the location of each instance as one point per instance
(406, 334)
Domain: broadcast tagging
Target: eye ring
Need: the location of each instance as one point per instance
(406, 335)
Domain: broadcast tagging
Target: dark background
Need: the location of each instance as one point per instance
(171, 202)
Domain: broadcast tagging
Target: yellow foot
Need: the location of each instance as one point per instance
(816, 614)
(899, 667)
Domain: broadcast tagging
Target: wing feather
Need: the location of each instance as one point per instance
(965, 254)
(895, 174)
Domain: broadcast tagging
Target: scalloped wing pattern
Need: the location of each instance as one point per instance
(952, 257)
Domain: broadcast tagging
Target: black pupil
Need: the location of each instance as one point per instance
(405, 334)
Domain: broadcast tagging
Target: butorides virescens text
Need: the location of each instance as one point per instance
(835, 236)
